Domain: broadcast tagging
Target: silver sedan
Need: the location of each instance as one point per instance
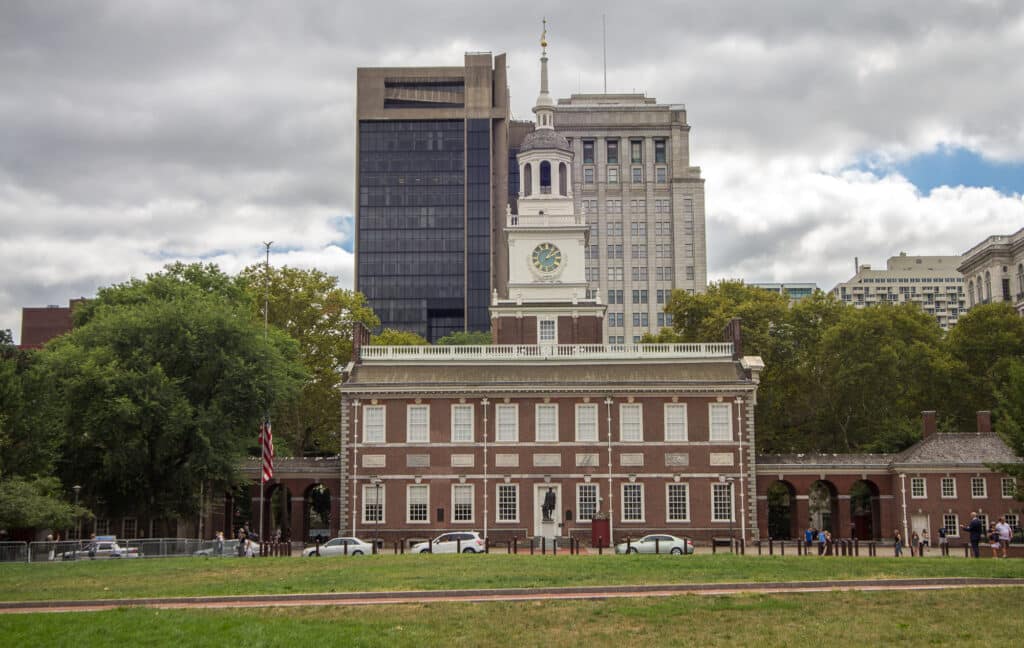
(341, 547)
(657, 543)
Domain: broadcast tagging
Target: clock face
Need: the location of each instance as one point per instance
(547, 257)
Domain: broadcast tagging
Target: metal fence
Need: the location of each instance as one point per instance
(47, 551)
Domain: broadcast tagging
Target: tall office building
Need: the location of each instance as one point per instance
(431, 192)
(644, 203)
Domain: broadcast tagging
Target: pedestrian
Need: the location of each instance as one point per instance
(897, 545)
(822, 540)
(993, 538)
(975, 529)
(1005, 533)
(922, 542)
(943, 541)
(915, 541)
(218, 544)
(249, 553)
(808, 537)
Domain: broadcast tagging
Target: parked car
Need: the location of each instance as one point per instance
(101, 547)
(340, 547)
(466, 541)
(230, 549)
(656, 543)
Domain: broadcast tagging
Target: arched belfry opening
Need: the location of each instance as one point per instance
(563, 179)
(545, 177)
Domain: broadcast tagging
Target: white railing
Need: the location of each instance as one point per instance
(498, 352)
(544, 220)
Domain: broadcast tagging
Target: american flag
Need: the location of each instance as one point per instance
(267, 444)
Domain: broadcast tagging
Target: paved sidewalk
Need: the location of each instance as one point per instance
(490, 595)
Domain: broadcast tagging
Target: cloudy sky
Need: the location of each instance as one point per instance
(138, 132)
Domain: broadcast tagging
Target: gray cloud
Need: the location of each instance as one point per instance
(134, 133)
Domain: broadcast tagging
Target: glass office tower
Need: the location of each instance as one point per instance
(432, 177)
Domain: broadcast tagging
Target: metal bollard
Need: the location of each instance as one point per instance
(487, 545)
(743, 546)
(771, 546)
(657, 546)
(856, 547)
(543, 545)
(758, 547)
(629, 545)
(515, 544)
(714, 546)
(458, 545)
(531, 546)
(782, 547)
(600, 546)
(401, 545)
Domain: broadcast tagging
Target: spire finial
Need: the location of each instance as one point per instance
(544, 36)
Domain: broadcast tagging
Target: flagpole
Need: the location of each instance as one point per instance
(266, 378)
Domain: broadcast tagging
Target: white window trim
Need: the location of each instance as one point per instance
(924, 488)
(514, 408)
(956, 527)
(408, 422)
(953, 496)
(1002, 486)
(554, 324)
(732, 503)
(472, 506)
(711, 430)
(472, 422)
(622, 503)
(984, 488)
(497, 500)
(686, 430)
(408, 503)
(597, 500)
(536, 422)
(668, 508)
(384, 423)
(383, 504)
(597, 419)
(640, 422)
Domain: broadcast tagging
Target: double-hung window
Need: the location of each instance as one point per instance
(418, 498)
(631, 426)
(547, 422)
(1008, 486)
(948, 487)
(417, 427)
(720, 421)
(508, 502)
(507, 423)
(462, 423)
(373, 424)
(462, 503)
(675, 422)
(678, 503)
(373, 503)
(721, 502)
(586, 422)
(979, 489)
(586, 501)
(917, 487)
(632, 502)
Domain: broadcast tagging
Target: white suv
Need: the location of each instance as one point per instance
(466, 541)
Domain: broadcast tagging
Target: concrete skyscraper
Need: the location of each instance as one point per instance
(431, 190)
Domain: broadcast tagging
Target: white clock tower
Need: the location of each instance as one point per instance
(547, 285)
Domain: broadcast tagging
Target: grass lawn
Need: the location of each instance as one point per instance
(953, 617)
(105, 579)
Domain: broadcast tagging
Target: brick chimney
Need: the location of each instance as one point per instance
(984, 422)
(928, 424)
(732, 333)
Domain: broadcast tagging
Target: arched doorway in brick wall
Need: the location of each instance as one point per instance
(782, 516)
(823, 507)
(317, 512)
(865, 510)
(278, 503)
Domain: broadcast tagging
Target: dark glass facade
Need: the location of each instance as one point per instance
(478, 223)
(412, 226)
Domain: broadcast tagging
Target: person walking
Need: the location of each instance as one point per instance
(822, 541)
(993, 538)
(922, 542)
(808, 537)
(897, 545)
(943, 541)
(975, 529)
(914, 543)
(1005, 533)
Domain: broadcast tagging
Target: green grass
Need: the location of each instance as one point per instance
(108, 579)
(952, 617)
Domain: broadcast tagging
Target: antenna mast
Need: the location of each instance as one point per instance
(604, 49)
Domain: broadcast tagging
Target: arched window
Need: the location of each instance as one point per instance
(970, 294)
(988, 287)
(563, 179)
(1020, 281)
(545, 177)
(527, 179)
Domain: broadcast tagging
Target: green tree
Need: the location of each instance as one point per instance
(310, 307)
(1009, 419)
(985, 341)
(161, 389)
(394, 337)
(36, 503)
(469, 338)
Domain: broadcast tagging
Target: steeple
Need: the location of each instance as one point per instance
(544, 106)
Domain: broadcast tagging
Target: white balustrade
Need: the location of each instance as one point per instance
(512, 352)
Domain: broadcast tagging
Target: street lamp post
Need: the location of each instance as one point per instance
(743, 500)
(903, 497)
(78, 518)
(484, 402)
(732, 508)
(611, 495)
(355, 461)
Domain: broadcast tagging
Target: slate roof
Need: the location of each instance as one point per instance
(962, 448)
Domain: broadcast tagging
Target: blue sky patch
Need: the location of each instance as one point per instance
(954, 167)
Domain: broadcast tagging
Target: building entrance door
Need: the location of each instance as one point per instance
(547, 501)
(918, 524)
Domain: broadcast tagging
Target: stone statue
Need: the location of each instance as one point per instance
(549, 505)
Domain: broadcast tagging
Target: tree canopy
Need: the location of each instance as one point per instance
(394, 337)
(470, 338)
(309, 306)
(161, 386)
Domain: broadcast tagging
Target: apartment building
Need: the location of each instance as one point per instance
(932, 282)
